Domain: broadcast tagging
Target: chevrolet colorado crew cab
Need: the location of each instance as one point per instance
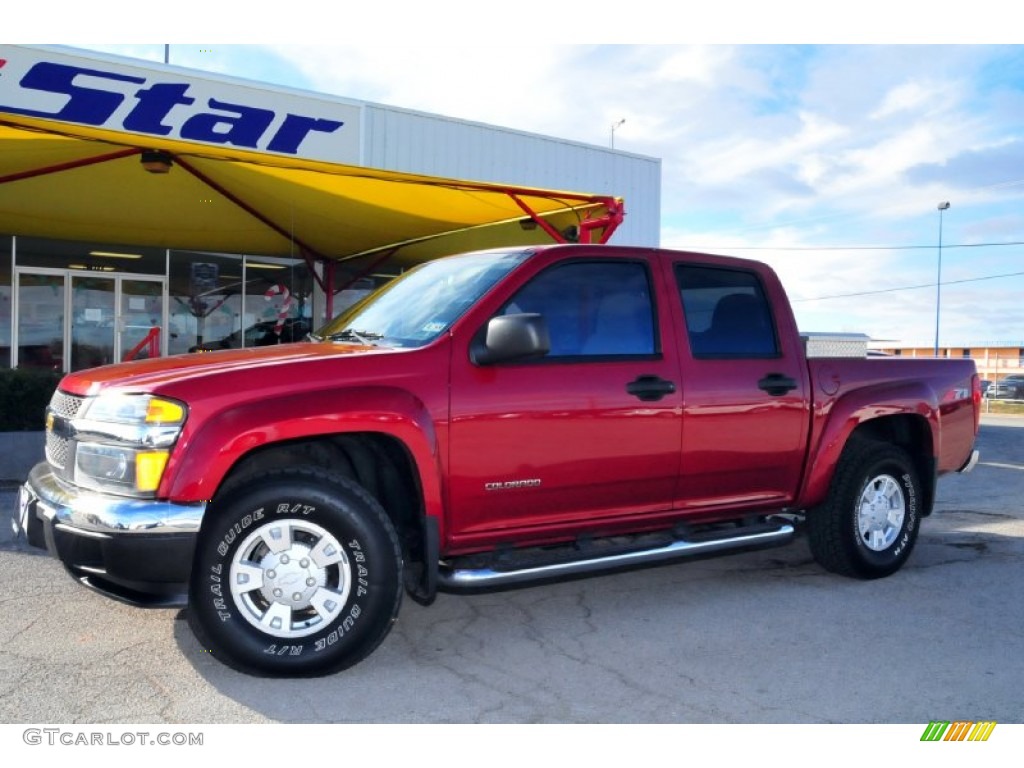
(488, 419)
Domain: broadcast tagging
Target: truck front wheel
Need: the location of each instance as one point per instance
(868, 525)
(296, 574)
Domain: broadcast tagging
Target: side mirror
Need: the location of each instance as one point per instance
(512, 337)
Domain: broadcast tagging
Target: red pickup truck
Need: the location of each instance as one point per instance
(488, 419)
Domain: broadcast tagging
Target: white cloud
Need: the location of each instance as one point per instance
(699, 64)
(776, 146)
(730, 158)
(907, 97)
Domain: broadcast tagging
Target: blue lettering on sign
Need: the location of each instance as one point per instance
(295, 128)
(237, 124)
(154, 104)
(242, 129)
(89, 106)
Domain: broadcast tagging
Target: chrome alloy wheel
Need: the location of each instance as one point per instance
(880, 512)
(290, 578)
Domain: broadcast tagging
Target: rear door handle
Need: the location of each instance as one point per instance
(650, 388)
(777, 384)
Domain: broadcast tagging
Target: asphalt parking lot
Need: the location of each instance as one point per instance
(762, 637)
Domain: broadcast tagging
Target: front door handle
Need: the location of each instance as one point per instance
(777, 384)
(650, 388)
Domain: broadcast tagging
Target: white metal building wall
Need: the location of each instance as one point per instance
(403, 140)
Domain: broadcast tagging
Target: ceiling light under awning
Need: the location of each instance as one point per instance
(113, 255)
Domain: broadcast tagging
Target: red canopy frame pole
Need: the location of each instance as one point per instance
(557, 236)
(308, 253)
(151, 342)
(69, 166)
(610, 221)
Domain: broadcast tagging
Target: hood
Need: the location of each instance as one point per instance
(149, 375)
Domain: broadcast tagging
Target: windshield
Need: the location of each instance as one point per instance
(423, 303)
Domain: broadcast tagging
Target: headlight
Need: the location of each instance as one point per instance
(121, 468)
(134, 409)
(123, 442)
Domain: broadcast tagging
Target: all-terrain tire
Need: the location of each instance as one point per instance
(868, 525)
(297, 573)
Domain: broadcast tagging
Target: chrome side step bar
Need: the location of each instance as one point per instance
(465, 579)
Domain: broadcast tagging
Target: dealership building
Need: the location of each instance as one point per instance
(149, 210)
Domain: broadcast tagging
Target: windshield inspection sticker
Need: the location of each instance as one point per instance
(433, 327)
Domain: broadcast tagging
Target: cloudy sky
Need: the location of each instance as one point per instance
(827, 161)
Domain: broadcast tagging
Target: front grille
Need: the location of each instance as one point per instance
(57, 448)
(63, 407)
(63, 404)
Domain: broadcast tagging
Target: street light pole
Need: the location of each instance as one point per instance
(943, 206)
(615, 125)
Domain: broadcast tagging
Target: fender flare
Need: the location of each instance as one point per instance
(203, 458)
(860, 407)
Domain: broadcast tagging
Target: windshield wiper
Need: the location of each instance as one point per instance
(363, 337)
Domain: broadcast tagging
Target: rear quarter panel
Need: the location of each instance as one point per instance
(848, 393)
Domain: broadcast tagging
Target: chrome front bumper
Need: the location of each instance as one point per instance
(90, 512)
(138, 550)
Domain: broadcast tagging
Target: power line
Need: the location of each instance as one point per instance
(910, 287)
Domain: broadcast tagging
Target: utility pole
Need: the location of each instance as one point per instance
(943, 206)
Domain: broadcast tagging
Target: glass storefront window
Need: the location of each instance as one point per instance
(41, 321)
(206, 301)
(214, 307)
(141, 318)
(84, 304)
(6, 301)
(92, 321)
(107, 302)
(278, 301)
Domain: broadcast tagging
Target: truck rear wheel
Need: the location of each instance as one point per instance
(868, 525)
(296, 574)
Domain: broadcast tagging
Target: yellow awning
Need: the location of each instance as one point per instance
(66, 181)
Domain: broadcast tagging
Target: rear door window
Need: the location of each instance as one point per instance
(727, 313)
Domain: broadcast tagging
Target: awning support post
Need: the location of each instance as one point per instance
(609, 222)
(327, 286)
